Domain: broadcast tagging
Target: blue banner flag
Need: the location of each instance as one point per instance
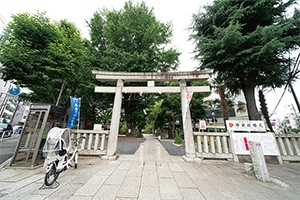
(74, 115)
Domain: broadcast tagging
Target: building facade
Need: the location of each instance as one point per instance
(11, 109)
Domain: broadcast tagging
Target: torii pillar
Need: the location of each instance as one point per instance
(150, 77)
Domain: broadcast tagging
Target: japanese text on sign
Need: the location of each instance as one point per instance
(240, 125)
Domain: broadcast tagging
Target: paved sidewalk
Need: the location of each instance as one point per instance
(174, 179)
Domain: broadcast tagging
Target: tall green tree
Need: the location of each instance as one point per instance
(41, 55)
(197, 106)
(245, 42)
(131, 40)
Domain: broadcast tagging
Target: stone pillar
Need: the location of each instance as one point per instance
(190, 152)
(258, 161)
(115, 123)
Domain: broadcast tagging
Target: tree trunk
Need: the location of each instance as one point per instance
(224, 105)
(173, 127)
(131, 132)
(264, 109)
(170, 127)
(253, 113)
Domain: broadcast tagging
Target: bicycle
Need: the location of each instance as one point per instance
(56, 150)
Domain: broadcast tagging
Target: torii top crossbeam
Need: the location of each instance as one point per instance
(152, 76)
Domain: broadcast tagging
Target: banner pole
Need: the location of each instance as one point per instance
(79, 115)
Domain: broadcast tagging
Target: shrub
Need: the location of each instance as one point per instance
(178, 139)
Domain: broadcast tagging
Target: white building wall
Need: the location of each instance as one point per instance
(8, 104)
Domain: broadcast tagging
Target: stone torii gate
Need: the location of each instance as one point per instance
(151, 77)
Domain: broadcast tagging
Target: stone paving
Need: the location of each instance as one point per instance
(126, 179)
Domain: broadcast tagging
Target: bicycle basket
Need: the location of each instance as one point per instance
(58, 142)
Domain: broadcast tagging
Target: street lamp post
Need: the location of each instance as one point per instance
(214, 119)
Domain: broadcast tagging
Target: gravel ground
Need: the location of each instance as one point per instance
(128, 147)
(172, 149)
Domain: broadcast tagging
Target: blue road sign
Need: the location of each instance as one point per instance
(14, 91)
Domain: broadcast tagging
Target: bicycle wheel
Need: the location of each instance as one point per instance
(51, 176)
(76, 159)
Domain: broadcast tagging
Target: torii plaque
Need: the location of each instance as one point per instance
(151, 77)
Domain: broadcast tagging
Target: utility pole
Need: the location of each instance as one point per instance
(295, 97)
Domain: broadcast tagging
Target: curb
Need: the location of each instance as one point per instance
(5, 163)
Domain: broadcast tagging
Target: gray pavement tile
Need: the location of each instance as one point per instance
(225, 167)
(192, 171)
(64, 192)
(22, 192)
(108, 169)
(24, 174)
(176, 159)
(175, 167)
(92, 186)
(125, 165)
(149, 179)
(149, 193)
(78, 197)
(168, 189)
(217, 181)
(4, 186)
(259, 187)
(290, 194)
(208, 190)
(63, 180)
(34, 197)
(135, 170)
(6, 173)
(85, 172)
(124, 157)
(16, 185)
(183, 180)
(116, 178)
(164, 171)
(107, 192)
(191, 194)
(150, 166)
(130, 187)
(243, 189)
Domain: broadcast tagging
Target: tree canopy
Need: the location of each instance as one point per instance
(246, 42)
(132, 40)
(39, 54)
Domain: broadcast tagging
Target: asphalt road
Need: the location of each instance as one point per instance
(7, 148)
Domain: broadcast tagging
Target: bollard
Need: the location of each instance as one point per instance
(158, 154)
(142, 147)
(158, 138)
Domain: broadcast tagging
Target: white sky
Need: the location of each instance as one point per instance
(178, 12)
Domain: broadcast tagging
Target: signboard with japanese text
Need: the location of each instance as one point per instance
(241, 143)
(241, 125)
(202, 124)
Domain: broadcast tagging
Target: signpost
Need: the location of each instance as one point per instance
(240, 141)
(202, 124)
